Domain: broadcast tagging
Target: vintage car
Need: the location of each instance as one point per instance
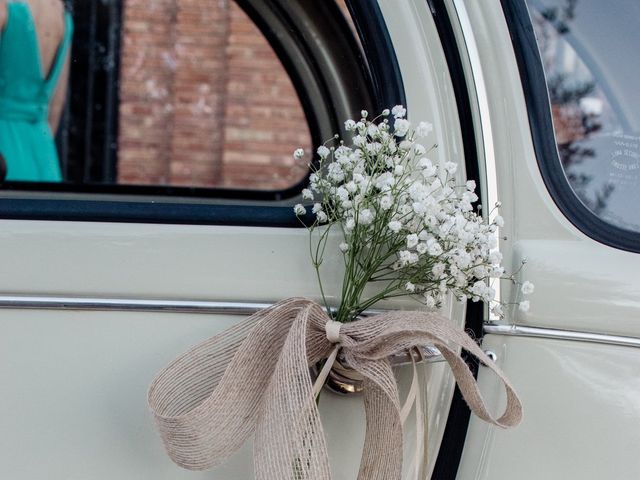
(136, 256)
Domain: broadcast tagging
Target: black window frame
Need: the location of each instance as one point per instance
(88, 130)
(457, 424)
(532, 77)
(378, 85)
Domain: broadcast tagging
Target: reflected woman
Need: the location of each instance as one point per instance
(35, 41)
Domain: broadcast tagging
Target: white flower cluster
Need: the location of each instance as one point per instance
(405, 220)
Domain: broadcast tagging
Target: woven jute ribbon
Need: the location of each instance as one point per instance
(253, 379)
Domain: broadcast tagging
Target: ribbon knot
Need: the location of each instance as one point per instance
(332, 329)
(253, 379)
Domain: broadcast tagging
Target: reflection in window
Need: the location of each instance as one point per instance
(34, 60)
(204, 101)
(588, 52)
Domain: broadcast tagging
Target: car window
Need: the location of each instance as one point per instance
(202, 100)
(587, 48)
(187, 111)
(197, 94)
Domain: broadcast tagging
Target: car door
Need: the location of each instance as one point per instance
(111, 274)
(560, 149)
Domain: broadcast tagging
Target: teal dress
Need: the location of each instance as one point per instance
(26, 141)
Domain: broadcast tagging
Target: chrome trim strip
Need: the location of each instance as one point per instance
(429, 353)
(129, 304)
(138, 305)
(558, 334)
(482, 99)
(478, 92)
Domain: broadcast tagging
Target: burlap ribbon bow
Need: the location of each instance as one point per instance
(253, 379)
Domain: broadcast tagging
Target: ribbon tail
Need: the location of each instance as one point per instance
(324, 373)
(469, 387)
(289, 438)
(414, 398)
(427, 328)
(422, 425)
(413, 394)
(383, 444)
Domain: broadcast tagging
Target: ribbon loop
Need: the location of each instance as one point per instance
(253, 378)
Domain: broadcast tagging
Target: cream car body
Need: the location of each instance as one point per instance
(93, 309)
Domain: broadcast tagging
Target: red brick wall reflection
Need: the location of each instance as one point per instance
(204, 99)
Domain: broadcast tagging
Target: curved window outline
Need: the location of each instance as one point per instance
(379, 86)
(536, 95)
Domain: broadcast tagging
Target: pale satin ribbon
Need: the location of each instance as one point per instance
(332, 330)
(253, 379)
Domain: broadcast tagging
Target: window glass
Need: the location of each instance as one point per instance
(160, 92)
(204, 101)
(589, 53)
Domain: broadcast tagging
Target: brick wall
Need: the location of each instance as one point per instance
(204, 99)
(147, 72)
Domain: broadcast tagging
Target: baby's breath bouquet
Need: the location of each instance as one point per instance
(406, 227)
(407, 224)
